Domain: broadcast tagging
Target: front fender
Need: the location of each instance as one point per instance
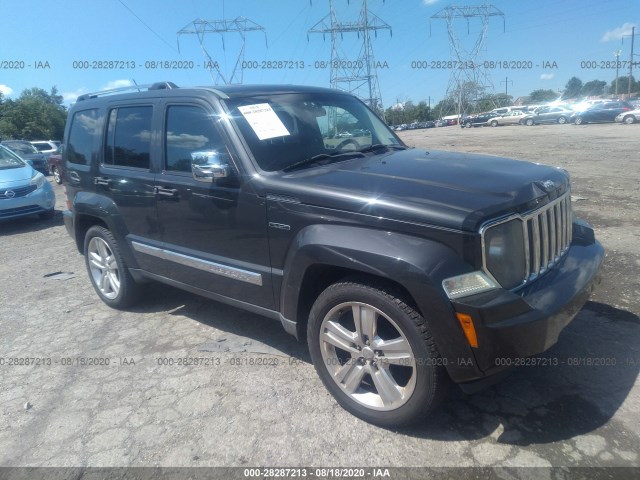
(417, 264)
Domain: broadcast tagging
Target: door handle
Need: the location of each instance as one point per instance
(166, 192)
(104, 181)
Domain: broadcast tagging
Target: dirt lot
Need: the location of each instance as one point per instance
(266, 406)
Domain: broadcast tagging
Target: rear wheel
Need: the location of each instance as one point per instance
(629, 119)
(562, 120)
(494, 123)
(529, 122)
(579, 121)
(375, 354)
(56, 175)
(109, 274)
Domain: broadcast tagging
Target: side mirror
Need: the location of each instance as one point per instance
(209, 165)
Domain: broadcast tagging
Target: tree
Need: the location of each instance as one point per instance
(35, 115)
(573, 88)
(593, 88)
(542, 96)
(623, 85)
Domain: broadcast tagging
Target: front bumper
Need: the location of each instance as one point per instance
(39, 201)
(511, 326)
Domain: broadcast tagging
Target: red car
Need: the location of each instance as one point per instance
(54, 161)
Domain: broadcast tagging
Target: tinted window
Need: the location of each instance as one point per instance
(189, 129)
(84, 127)
(128, 142)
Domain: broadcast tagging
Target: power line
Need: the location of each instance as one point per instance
(148, 27)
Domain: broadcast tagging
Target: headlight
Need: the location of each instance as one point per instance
(38, 180)
(467, 284)
(504, 253)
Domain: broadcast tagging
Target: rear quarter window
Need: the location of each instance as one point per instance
(84, 128)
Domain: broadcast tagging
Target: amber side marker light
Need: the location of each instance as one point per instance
(467, 327)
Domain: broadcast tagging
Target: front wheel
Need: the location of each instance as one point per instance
(579, 121)
(529, 122)
(629, 119)
(562, 120)
(375, 354)
(109, 274)
(494, 123)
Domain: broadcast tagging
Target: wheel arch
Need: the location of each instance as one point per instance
(410, 267)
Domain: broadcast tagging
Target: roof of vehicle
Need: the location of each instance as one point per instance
(224, 92)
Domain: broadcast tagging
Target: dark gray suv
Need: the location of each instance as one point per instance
(402, 269)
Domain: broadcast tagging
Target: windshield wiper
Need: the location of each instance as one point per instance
(380, 146)
(323, 156)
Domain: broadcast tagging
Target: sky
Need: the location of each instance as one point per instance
(542, 43)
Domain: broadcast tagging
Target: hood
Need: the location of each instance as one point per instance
(19, 175)
(454, 190)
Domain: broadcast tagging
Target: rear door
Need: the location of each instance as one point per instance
(126, 174)
(214, 234)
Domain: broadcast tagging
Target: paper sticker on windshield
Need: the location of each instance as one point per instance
(264, 121)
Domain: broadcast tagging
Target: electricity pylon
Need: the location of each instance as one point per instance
(201, 28)
(469, 78)
(356, 75)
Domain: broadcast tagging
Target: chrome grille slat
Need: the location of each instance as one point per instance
(17, 192)
(547, 234)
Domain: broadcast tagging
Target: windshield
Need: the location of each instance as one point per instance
(283, 130)
(9, 160)
(22, 148)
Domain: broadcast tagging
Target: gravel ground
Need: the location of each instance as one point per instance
(260, 403)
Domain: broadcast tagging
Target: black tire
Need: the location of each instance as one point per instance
(579, 121)
(529, 122)
(629, 119)
(56, 175)
(114, 271)
(422, 382)
(494, 123)
(562, 120)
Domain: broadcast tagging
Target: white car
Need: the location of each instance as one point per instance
(509, 118)
(46, 147)
(629, 117)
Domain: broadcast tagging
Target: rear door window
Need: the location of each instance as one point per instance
(128, 141)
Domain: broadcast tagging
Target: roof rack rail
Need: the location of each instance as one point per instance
(130, 88)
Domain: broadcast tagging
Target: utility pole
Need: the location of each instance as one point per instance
(506, 82)
(631, 57)
(240, 25)
(355, 76)
(633, 36)
(617, 55)
(469, 76)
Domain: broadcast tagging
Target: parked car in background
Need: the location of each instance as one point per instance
(510, 118)
(478, 120)
(629, 116)
(547, 114)
(23, 191)
(46, 147)
(602, 112)
(54, 163)
(28, 153)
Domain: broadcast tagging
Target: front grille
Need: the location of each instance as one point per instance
(547, 234)
(17, 192)
(20, 211)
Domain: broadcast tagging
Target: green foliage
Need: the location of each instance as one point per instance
(593, 88)
(35, 115)
(408, 113)
(573, 88)
(542, 96)
(623, 85)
